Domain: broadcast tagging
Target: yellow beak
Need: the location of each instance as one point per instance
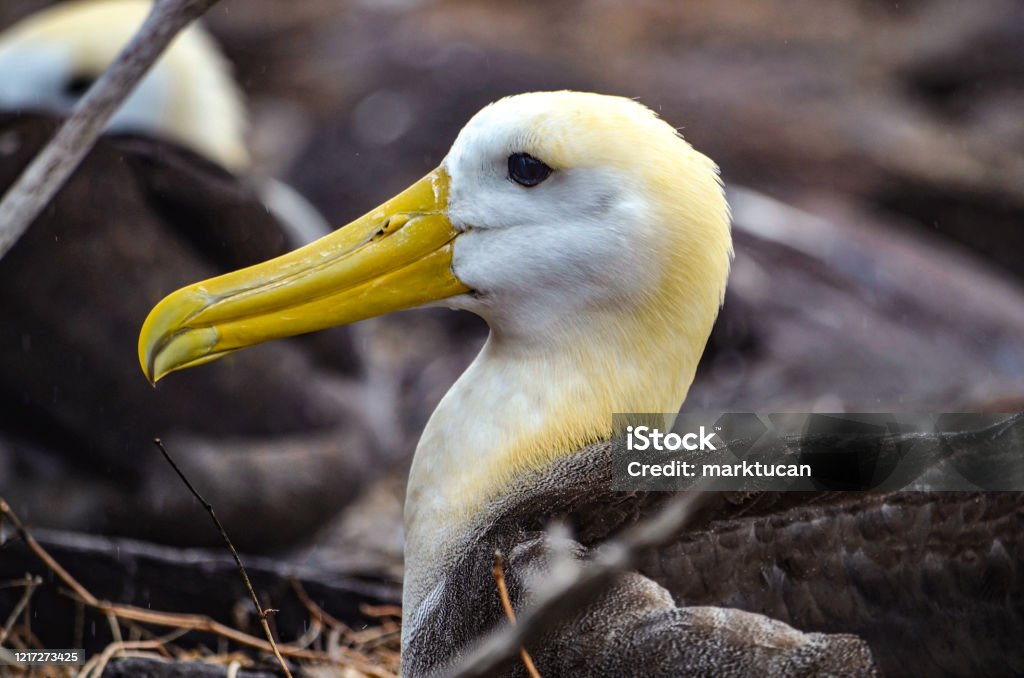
(395, 257)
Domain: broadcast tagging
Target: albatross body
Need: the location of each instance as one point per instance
(595, 242)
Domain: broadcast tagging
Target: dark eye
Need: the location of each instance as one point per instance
(78, 85)
(526, 170)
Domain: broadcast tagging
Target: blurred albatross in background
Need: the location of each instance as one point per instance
(51, 58)
(171, 181)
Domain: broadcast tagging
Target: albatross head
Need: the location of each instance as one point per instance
(50, 59)
(574, 207)
(556, 216)
(592, 238)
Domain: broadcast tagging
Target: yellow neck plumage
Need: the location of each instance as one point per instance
(520, 407)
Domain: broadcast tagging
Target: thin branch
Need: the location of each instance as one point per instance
(506, 605)
(27, 580)
(263, 614)
(30, 584)
(115, 627)
(611, 559)
(380, 611)
(311, 635)
(47, 559)
(96, 665)
(48, 171)
(369, 639)
(318, 613)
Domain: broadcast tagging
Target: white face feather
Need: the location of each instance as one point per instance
(540, 254)
(36, 77)
(43, 77)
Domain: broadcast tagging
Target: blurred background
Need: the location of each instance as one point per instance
(874, 155)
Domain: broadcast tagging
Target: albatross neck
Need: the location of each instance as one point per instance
(522, 404)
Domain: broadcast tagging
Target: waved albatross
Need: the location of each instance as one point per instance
(166, 197)
(50, 59)
(595, 242)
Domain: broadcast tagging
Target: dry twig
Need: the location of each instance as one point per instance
(94, 667)
(48, 171)
(263, 614)
(380, 611)
(318, 613)
(29, 583)
(369, 642)
(47, 559)
(506, 605)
